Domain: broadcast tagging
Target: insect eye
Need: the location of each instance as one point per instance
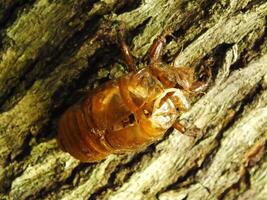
(131, 118)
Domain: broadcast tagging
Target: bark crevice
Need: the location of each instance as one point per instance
(54, 51)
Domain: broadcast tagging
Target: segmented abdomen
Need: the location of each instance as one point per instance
(117, 117)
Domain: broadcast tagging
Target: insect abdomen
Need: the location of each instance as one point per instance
(107, 120)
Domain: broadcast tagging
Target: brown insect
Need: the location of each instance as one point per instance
(130, 112)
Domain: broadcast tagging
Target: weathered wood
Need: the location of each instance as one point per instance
(53, 49)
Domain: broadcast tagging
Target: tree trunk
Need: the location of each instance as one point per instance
(53, 50)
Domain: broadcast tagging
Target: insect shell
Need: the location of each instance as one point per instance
(130, 112)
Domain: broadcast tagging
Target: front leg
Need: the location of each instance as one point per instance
(198, 87)
(185, 79)
(155, 51)
(126, 53)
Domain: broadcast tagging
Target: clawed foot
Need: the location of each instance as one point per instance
(192, 131)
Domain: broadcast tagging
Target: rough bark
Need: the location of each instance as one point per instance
(52, 50)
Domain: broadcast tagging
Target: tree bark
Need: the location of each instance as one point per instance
(53, 51)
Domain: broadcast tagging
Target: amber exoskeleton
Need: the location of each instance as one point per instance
(130, 112)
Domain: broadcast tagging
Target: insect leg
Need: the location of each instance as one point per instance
(198, 87)
(179, 127)
(155, 50)
(126, 53)
(182, 105)
(191, 131)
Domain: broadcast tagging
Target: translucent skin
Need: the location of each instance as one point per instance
(130, 112)
(101, 124)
